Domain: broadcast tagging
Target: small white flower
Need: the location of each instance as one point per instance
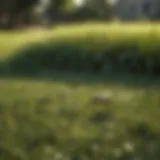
(102, 97)
(129, 147)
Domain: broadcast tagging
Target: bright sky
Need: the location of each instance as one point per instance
(80, 2)
(77, 2)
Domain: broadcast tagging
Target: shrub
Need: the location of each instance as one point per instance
(93, 51)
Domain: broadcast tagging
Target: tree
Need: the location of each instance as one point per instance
(12, 9)
(102, 7)
(96, 8)
(61, 5)
(158, 10)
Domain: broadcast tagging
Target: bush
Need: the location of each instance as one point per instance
(92, 50)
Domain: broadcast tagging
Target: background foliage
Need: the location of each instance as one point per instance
(101, 49)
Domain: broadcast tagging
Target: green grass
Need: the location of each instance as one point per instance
(10, 41)
(14, 40)
(85, 47)
(42, 115)
(47, 114)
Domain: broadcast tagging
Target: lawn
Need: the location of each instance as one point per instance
(41, 115)
(81, 47)
(77, 116)
(11, 41)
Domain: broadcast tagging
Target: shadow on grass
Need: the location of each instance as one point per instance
(81, 78)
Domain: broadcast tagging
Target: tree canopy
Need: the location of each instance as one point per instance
(16, 6)
(11, 9)
(23, 8)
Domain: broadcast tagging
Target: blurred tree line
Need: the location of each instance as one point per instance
(16, 12)
(12, 11)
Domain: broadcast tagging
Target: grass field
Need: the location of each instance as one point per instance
(57, 115)
(60, 114)
(95, 47)
(10, 41)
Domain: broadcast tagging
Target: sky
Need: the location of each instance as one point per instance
(80, 2)
(77, 2)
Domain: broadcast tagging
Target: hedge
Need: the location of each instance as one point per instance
(99, 51)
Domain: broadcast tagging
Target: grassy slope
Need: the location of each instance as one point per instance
(9, 42)
(131, 104)
(63, 109)
(112, 42)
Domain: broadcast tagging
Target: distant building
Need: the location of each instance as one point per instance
(137, 9)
